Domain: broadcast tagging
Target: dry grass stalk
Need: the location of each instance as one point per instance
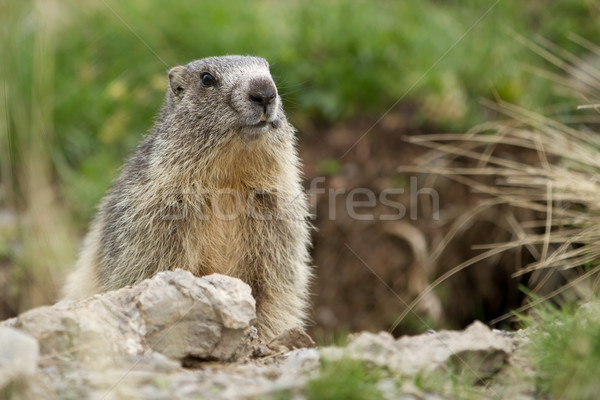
(562, 185)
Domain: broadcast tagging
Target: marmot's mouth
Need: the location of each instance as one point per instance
(261, 127)
(254, 131)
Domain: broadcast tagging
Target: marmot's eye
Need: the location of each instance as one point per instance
(207, 79)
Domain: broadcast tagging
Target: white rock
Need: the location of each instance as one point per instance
(476, 349)
(19, 354)
(130, 343)
(174, 313)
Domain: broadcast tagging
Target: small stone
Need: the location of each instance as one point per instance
(290, 339)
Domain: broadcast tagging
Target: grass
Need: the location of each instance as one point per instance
(28, 188)
(345, 380)
(566, 351)
(339, 338)
(550, 167)
(561, 185)
(451, 383)
(558, 182)
(333, 61)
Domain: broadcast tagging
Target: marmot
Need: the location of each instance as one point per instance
(215, 187)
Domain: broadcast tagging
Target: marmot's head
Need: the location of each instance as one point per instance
(223, 96)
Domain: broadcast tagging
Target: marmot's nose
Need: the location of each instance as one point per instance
(262, 92)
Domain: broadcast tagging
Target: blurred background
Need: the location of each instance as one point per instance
(82, 80)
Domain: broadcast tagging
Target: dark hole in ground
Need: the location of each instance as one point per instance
(368, 271)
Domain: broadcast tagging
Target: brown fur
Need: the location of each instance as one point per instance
(209, 191)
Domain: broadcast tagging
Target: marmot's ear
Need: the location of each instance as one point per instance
(177, 80)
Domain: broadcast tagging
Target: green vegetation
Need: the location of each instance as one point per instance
(339, 338)
(566, 351)
(345, 380)
(330, 166)
(452, 383)
(104, 74)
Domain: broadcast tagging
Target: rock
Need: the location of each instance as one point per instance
(477, 350)
(294, 338)
(208, 322)
(301, 359)
(19, 354)
(180, 336)
(174, 313)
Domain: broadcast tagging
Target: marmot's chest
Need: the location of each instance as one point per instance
(235, 233)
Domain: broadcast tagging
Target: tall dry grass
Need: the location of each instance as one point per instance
(560, 185)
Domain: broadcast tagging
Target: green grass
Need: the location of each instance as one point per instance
(28, 142)
(356, 379)
(339, 338)
(452, 383)
(566, 351)
(345, 380)
(333, 61)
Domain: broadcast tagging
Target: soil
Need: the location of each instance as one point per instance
(368, 271)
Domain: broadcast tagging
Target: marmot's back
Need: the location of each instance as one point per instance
(215, 187)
